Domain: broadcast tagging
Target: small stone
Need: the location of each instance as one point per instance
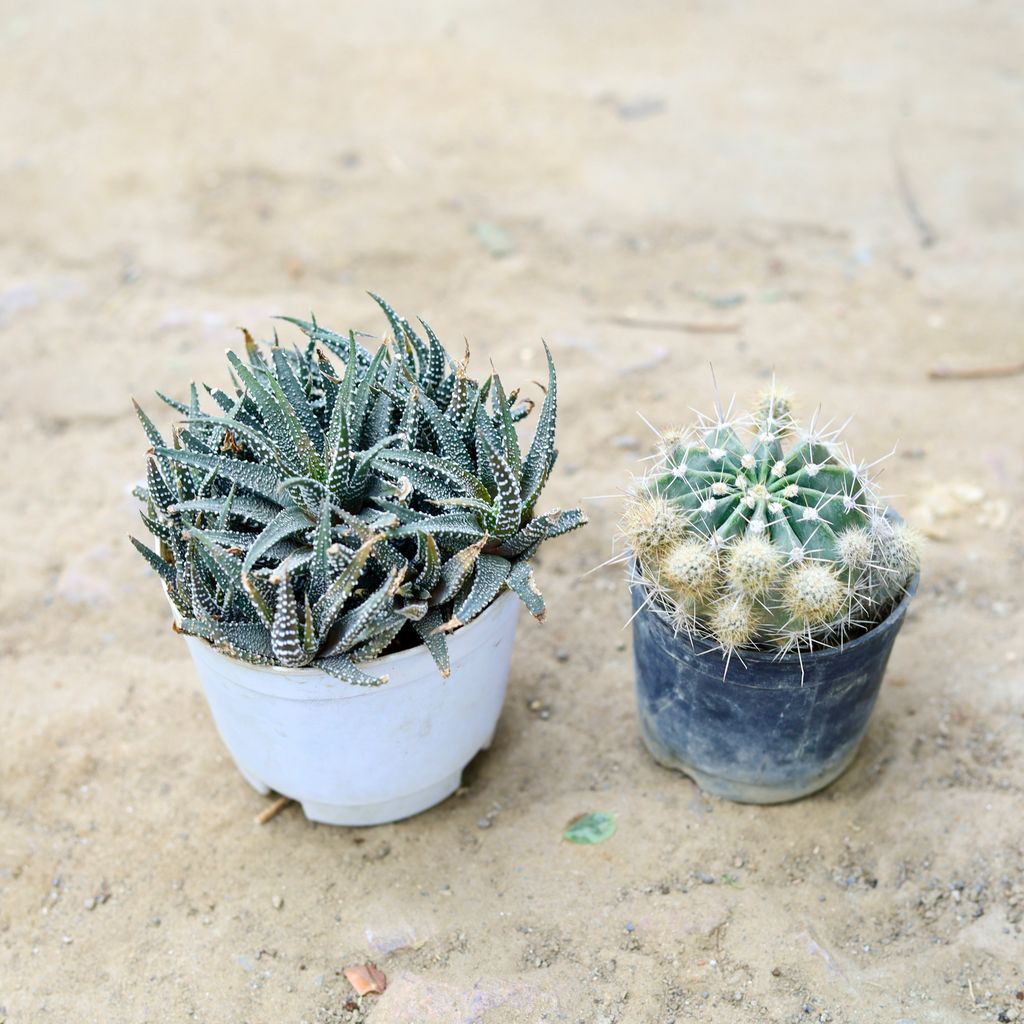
(90, 903)
(483, 822)
(561, 654)
(278, 902)
(776, 973)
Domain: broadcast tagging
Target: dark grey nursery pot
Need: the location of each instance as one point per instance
(767, 732)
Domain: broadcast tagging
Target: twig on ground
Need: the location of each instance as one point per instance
(273, 810)
(975, 372)
(686, 326)
(925, 233)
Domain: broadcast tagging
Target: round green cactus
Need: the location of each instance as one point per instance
(758, 533)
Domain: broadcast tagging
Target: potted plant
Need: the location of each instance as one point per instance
(769, 581)
(344, 519)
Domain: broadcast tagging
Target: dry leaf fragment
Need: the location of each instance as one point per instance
(366, 978)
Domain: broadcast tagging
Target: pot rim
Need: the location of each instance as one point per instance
(386, 660)
(706, 648)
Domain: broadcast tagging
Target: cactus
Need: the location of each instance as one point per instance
(324, 516)
(773, 540)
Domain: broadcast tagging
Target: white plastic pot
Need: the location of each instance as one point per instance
(356, 755)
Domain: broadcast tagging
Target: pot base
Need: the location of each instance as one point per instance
(388, 810)
(746, 792)
(355, 815)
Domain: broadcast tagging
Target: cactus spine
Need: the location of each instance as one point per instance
(759, 534)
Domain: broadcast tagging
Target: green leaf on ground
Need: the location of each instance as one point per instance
(589, 829)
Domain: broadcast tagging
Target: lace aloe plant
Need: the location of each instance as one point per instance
(778, 540)
(325, 516)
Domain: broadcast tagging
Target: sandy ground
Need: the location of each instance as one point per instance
(838, 187)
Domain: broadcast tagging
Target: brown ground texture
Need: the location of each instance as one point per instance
(836, 189)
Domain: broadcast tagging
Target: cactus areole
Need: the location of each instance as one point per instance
(769, 581)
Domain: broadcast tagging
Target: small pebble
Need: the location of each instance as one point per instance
(561, 654)
(483, 822)
(90, 903)
(278, 902)
(776, 973)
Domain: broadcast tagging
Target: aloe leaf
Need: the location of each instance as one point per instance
(437, 361)
(367, 614)
(159, 529)
(508, 502)
(489, 578)
(449, 440)
(154, 436)
(320, 566)
(163, 567)
(376, 645)
(181, 407)
(247, 507)
(448, 524)
(484, 508)
(260, 597)
(226, 567)
(379, 422)
(258, 478)
(296, 396)
(551, 524)
(455, 571)
(326, 609)
(428, 629)
(272, 411)
(406, 338)
(521, 580)
(246, 640)
(287, 522)
(431, 475)
(159, 490)
(506, 427)
(337, 343)
(341, 667)
(285, 638)
(541, 456)
(259, 444)
(409, 421)
(361, 396)
(428, 555)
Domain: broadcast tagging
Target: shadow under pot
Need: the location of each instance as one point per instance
(771, 729)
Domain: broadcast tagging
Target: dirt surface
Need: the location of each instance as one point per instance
(836, 189)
